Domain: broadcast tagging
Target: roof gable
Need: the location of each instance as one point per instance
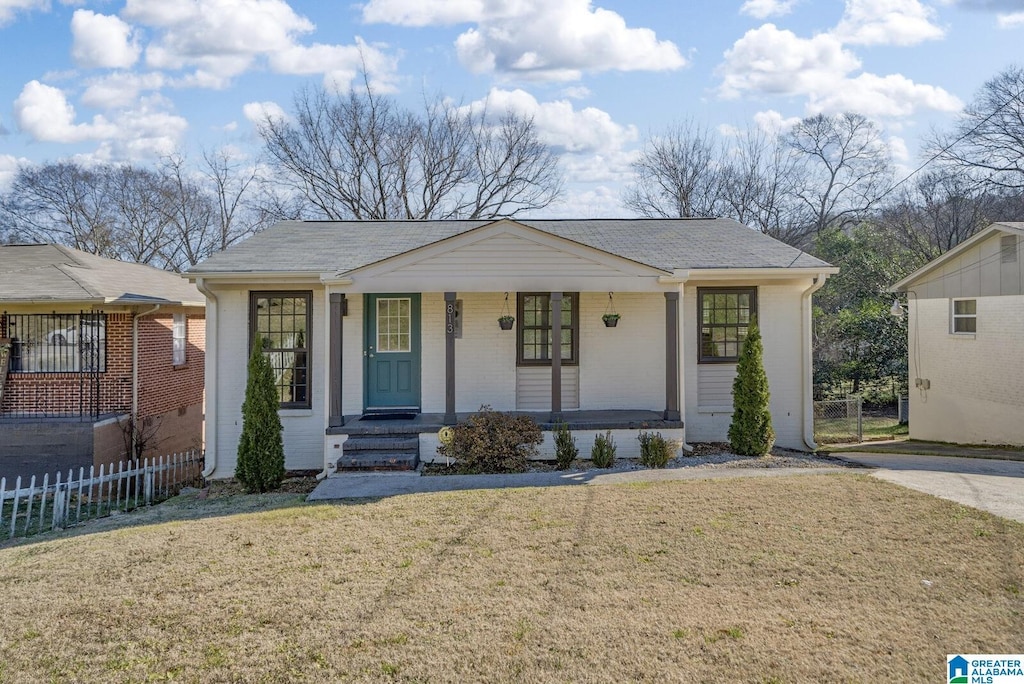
(1008, 228)
(505, 248)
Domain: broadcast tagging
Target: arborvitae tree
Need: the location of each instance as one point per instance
(751, 432)
(260, 465)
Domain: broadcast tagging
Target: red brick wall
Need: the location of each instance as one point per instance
(164, 387)
(62, 392)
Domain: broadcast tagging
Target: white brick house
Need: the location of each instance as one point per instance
(400, 319)
(966, 341)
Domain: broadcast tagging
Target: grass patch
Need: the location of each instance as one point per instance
(844, 430)
(808, 578)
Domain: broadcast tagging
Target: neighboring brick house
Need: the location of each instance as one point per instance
(91, 343)
(387, 330)
(966, 341)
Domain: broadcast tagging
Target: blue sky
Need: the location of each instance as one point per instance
(134, 79)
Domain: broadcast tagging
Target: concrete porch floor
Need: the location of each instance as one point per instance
(576, 420)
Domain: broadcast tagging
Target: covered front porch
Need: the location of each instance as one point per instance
(375, 442)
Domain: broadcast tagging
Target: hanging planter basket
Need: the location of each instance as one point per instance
(610, 318)
(505, 320)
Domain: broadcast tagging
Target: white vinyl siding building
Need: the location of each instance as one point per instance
(648, 365)
(966, 341)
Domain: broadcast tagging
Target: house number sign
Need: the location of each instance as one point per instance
(449, 318)
(453, 318)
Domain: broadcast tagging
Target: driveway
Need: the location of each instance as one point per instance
(991, 485)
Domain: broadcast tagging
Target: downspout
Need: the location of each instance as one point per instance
(808, 361)
(210, 379)
(135, 377)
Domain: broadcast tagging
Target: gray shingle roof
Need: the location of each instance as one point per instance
(61, 274)
(666, 244)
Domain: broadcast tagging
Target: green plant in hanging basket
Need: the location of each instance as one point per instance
(506, 322)
(611, 319)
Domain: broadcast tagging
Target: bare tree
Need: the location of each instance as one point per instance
(843, 166)
(63, 203)
(989, 135)
(757, 188)
(361, 156)
(678, 175)
(171, 217)
(231, 183)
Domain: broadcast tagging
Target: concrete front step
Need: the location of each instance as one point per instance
(378, 460)
(379, 452)
(360, 443)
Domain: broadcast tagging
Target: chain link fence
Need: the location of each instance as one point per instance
(839, 421)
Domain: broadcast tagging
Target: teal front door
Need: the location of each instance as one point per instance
(392, 351)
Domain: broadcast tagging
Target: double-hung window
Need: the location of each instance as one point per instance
(535, 315)
(724, 316)
(281, 321)
(179, 335)
(964, 316)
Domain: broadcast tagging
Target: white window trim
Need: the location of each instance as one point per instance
(179, 339)
(954, 317)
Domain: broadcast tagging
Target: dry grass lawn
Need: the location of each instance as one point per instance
(808, 578)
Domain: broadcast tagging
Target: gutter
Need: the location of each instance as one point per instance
(135, 375)
(807, 360)
(210, 378)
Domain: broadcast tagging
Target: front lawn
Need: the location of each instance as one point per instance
(804, 578)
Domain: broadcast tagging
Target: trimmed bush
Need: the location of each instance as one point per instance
(493, 442)
(603, 453)
(751, 432)
(260, 465)
(565, 446)
(655, 450)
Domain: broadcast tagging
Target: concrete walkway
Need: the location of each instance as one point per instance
(378, 485)
(995, 486)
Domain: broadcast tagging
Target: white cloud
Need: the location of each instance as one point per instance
(536, 39)
(428, 12)
(340, 64)
(146, 130)
(597, 202)
(44, 113)
(597, 149)
(577, 92)
(120, 89)
(887, 22)
(772, 122)
(102, 41)
(9, 166)
(213, 41)
(898, 149)
(762, 9)
(1010, 21)
(883, 96)
(771, 60)
(777, 62)
(258, 112)
(8, 8)
(559, 123)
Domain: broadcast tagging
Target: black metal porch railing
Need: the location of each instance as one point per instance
(73, 345)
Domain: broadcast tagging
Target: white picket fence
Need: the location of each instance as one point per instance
(60, 503)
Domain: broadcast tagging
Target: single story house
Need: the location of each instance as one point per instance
(966, 341)
(91, 342)
(364, 320)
